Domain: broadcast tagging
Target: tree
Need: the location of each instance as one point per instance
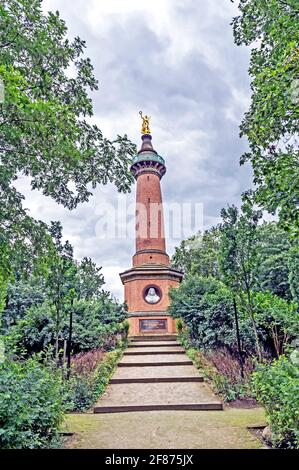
(238, 256)
(89, 280)
(60, 278)
(199, 254)
(278, 318)
(293, 265)
(273, 260)
(22, 295)
(46, 133)
(271, 124)
(206, 307)
(95, 321)
(5, 272)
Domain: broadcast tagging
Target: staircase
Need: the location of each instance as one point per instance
(156, 374)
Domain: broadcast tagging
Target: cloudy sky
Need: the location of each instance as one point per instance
(176, 61)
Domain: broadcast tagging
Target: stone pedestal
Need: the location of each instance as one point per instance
(144, 317)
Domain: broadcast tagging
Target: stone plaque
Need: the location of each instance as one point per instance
(152, 294)
(152, 325)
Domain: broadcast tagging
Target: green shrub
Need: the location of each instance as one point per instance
(205, 306)
(89, 377)
(277, 319)
(31, 405)
(277, 388)
(179, 325)
(230, 391)
(96, 324)
(222, 371)
(96, 320)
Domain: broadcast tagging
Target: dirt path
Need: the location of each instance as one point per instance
(166, 429)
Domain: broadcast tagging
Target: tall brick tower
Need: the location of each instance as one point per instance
(148, 282)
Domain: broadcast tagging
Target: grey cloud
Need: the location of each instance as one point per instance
(196, 103)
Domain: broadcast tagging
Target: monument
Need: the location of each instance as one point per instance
(148, 282)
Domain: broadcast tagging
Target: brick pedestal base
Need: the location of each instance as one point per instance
(151, 325)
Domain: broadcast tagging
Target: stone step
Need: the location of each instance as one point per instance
(149, 344)
(155, 358)
(157, 396)
(154, 338)
(155, 364)
(176, 347)
(155, 380)
(154, 372)
(148, 353)
(155, 407)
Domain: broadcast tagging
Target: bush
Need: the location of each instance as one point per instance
(227, 380)
(206, 308)
(277, 388)
(179, 325)
(31, 405)
(222, 370)
(277, 319)
(21, 295)
(89, 377)
(95, 321)
(96, 324)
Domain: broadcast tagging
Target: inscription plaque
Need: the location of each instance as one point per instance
(151, 325)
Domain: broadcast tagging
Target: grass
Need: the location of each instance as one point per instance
(166, 429)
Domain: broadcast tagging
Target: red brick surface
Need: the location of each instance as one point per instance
(150, 257)
(134, 294)
(149, 213)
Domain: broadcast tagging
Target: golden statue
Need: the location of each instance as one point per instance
(145, 129)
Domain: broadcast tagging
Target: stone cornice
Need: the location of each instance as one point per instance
(149, 271)
(149, 314)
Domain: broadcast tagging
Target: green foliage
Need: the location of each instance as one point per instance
(95, 321)
(60, 279)
(223, 376)
(89, 280)
(5, 271)
(227, 390)
(43, 126)
(238, 256)
(89, 378)
(31, 405)
(293, 266)
(22, 294)
(179, 325)
(44, 119)
(277, 318)
(277, 388)
(271, 124)
(274, 252)
(206, 307)
(274, 267)
(198, 254)
(238, 247)
(39, 303)
(34, 332)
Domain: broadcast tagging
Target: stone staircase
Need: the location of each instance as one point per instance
(156, 374)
